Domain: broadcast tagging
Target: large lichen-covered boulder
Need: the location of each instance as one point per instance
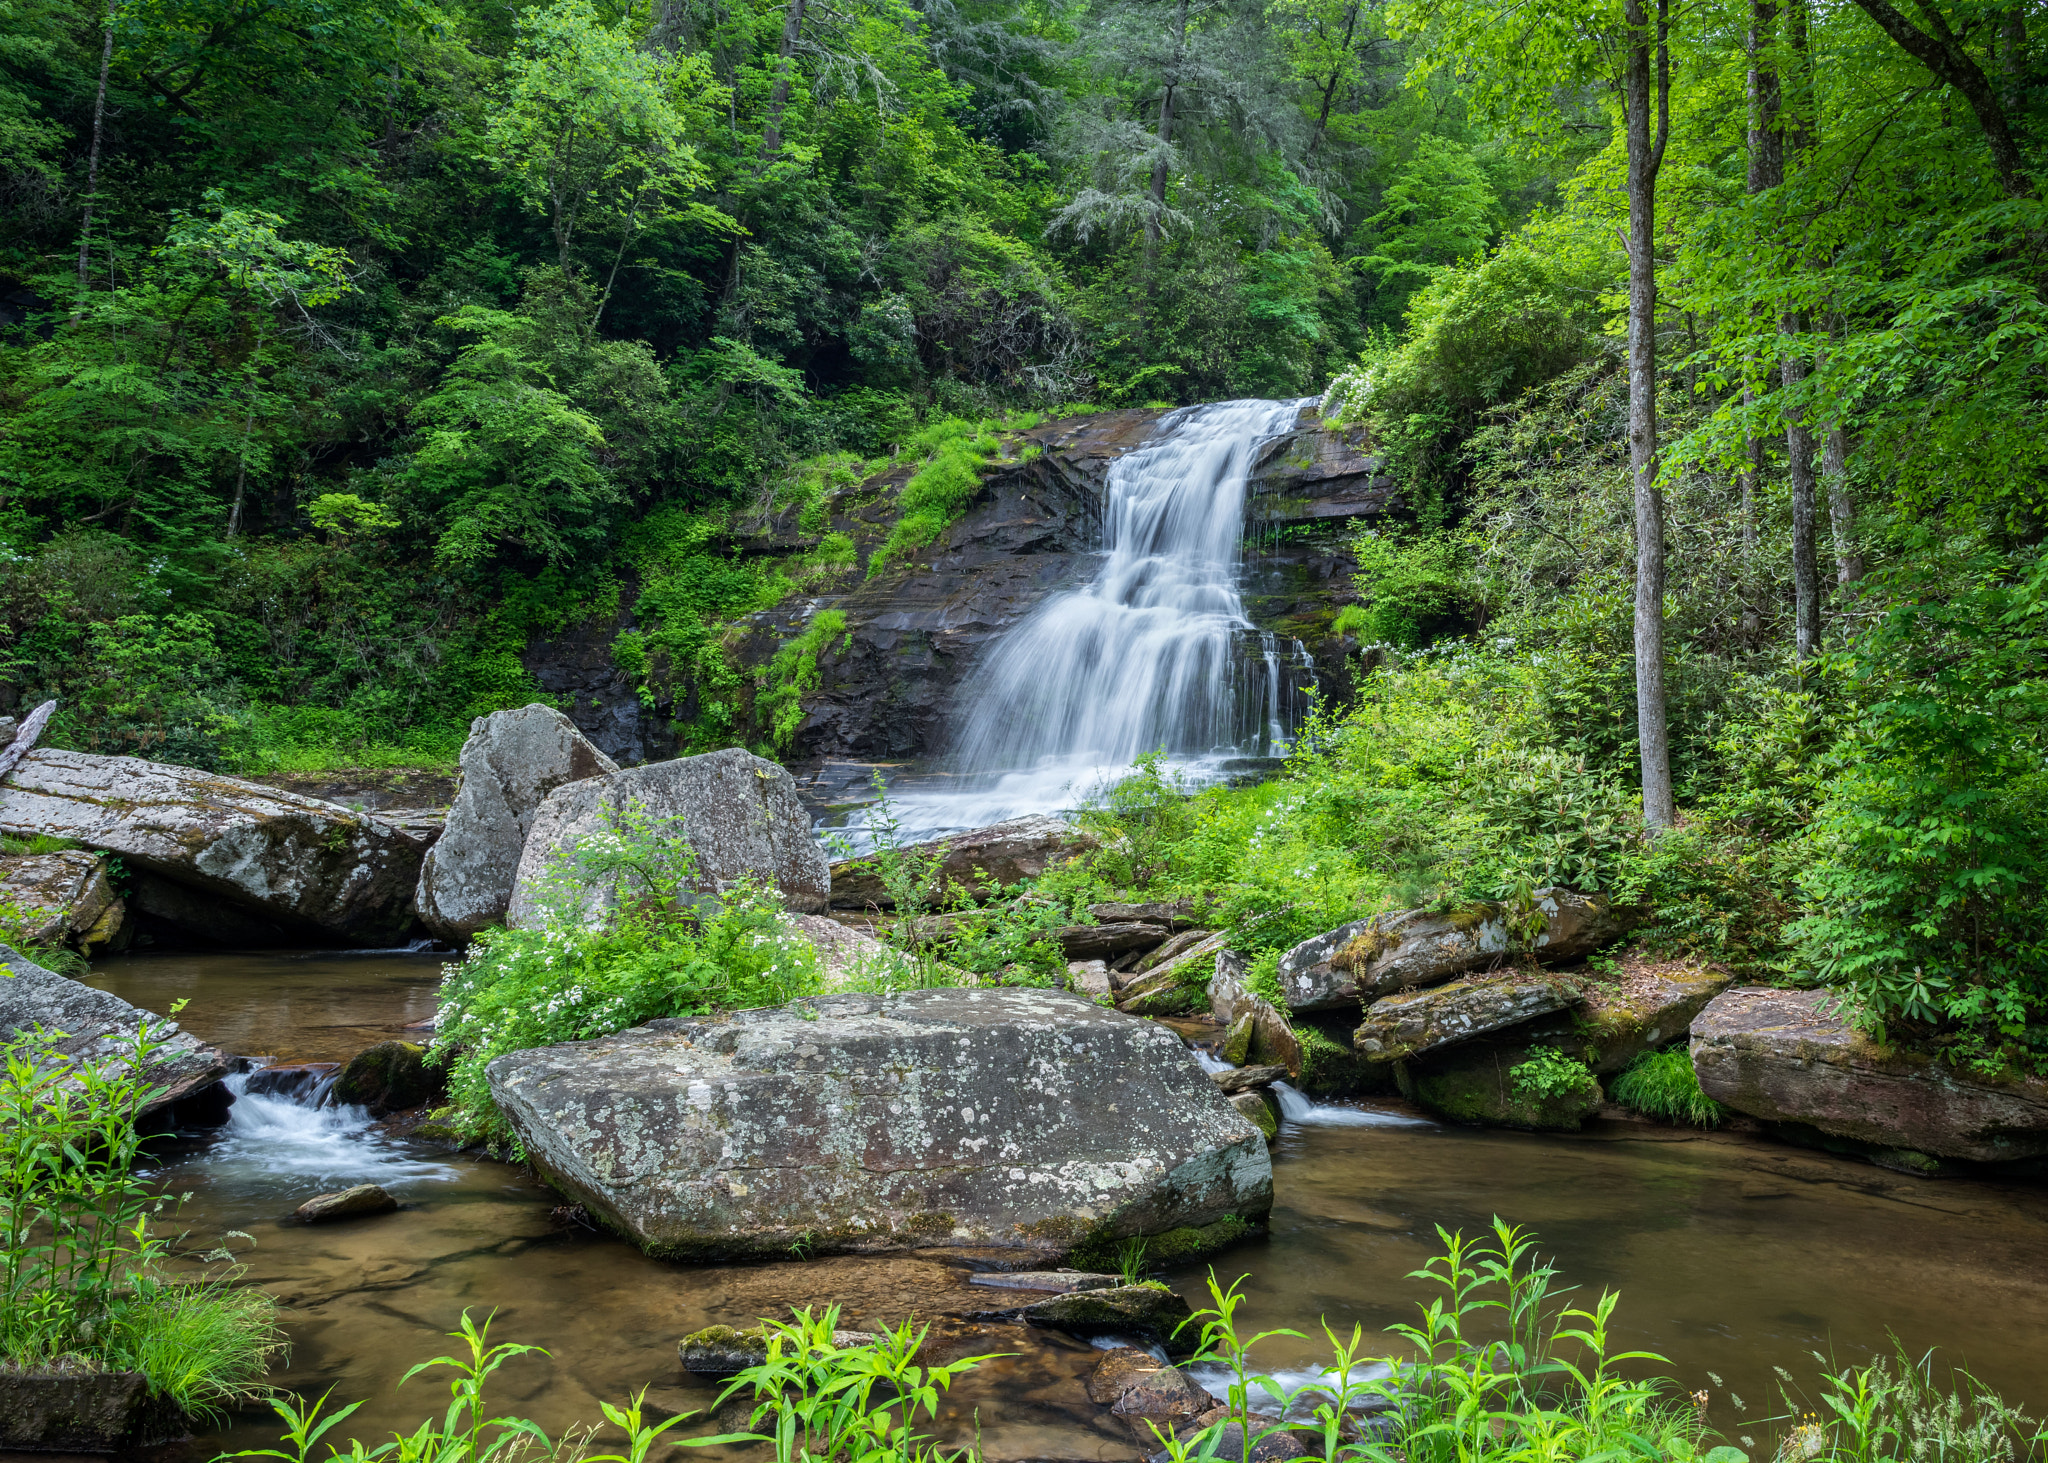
(511, 761)
(100, 1028)
(1403, 1027)
(740, 814)
(313, 868)
(67, 895)
(1789, 1057)
(1023, 1119)
(1357, 963)
(1004, 853)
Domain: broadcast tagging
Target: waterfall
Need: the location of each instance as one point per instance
(1149, 656)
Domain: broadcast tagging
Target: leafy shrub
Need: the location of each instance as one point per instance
(1548, 1072)
(1664, 1085)
(793, 671)
(583, 972)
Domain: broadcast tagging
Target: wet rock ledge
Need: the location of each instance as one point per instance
(1026, 1120)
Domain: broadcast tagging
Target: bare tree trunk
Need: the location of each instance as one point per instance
(1645, 157)
(1153, 230)
(92, 166)
(1799, 445)
(1330, 91)
(1834, 468)
(785, 63)
(1766, 171)
(242, 457)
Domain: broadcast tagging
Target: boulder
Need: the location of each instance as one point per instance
(511, 761)
(353, 1203)
(724, 1351)
(1174, 986)
(68, 896)
(313, 868)
(1023, 1119)
(1134, 1383)
(1650, 1007)
(842, 950)
(1400, 1028)
(1475, 1084)
(740, 814)
(68, 1408)
(1788, 1057)
(1357, 963)
(1257, 1105)
(1245, 1079)
(99, 1027)
(1147, 1310)
(1268, 1038)
(389, 1077)
(1089, 977)
(1269, 1442)
(1008, 853)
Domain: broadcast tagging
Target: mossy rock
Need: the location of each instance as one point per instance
(1173, 1247)
(387, 1078)
(1477, 1086)
(1147, 1310)
(1330, 1065)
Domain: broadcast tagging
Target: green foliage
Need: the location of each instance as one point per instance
(793, 671)
(1410, 589)
(84, 1276)
(1663, 1085)
(955, 452)
(623, 939)
(1547, 1072)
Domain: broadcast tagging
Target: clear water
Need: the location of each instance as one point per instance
(1732, 1255)
(1155, 654)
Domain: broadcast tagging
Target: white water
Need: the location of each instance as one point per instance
(276, 1142)
(1297, 1106)
(1150, 656)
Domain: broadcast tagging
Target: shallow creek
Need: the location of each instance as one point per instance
(1732, 1254)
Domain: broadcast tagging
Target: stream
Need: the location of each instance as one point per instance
(1732, 1254)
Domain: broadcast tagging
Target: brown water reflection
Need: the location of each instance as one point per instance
(1732, 1254)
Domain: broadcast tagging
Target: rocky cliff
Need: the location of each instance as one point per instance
(886, 688)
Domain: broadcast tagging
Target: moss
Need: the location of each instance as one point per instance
(1330, 1065)
(1480, 1090)
(930, 1223)
(1363, 948)
(1174, 1247)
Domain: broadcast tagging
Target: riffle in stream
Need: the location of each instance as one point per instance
(1731, 1254)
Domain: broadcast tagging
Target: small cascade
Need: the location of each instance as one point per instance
(1297, 1106)
(291, 1138)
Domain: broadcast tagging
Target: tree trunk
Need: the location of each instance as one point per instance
(1153, 230)
(1798, 433)
(1834, 468)
(1330, 91)
(1645, 157)
(1942, 52)
(1766, 171)
(92, 166)
(778, 94)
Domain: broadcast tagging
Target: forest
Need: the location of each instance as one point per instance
(348, 344)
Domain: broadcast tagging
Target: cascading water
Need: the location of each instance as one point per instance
(292, 1141)
(1148, 657)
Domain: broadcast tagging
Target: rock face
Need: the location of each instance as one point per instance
(1257, 1030)
(98, 1027)
(1777, 1055)
(70, 896)
(739, 812)
(1399, 1028)
(510, 763)
(1008, 853)
(1357, 963)
(59, 1410)
(1022, 1119)
(313, 868)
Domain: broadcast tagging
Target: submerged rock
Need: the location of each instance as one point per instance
(101, 1028)
(389, 1077)
(353, 1203)
(740, 814)
(724, 1351)
(1399, 1028)
(67, 896)
(1357, 963)
(1134, 1383)
(1006, 853)
(313, 868)
(1148, 1310)
(511, 761)
(1059, 1282)
(1023, 1119)
(1787, 1057)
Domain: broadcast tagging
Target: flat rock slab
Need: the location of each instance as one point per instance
(1780, 1056)
(511, 761)
(1020, 1119)
(1165, 990)
(1008, 853)
(1244, 1079)
(1652, 1006)
(100, 1028)
(740, 814)
(311, 866)
(1060, 1282)
(1357, 963)
(1398, 1028)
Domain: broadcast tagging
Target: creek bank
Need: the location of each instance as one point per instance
(1013, 1119)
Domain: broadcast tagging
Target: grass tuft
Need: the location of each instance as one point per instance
(1663, 1085)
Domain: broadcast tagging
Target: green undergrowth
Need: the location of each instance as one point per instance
(1664, 1085)
(792, 672)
